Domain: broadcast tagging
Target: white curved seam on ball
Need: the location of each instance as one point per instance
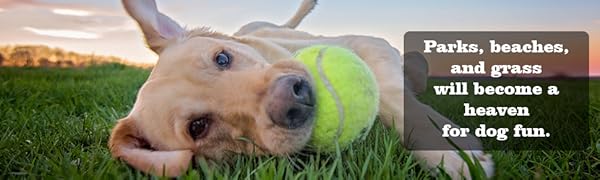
(338, 102)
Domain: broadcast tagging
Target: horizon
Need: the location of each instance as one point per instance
(103, 28)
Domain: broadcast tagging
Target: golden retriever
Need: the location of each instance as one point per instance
(208, 90)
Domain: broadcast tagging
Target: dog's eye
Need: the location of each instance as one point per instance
(198, 127)
(223, 60)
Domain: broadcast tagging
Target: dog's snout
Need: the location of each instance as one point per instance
(291, 104)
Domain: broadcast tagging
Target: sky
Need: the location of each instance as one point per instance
(102, 26)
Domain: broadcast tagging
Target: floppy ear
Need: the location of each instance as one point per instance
(158, 28)
(127, 144)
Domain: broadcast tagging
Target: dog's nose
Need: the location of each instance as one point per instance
(292, 102)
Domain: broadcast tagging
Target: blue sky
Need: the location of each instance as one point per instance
(107, 30)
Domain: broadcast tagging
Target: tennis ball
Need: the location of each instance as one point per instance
(347, 97)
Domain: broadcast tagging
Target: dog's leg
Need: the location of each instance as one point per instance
(386, 63)
(424, 132)
(305, 8)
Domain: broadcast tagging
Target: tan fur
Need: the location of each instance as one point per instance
(185, 84)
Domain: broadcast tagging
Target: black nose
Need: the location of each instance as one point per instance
(291, 102)
(302, 92)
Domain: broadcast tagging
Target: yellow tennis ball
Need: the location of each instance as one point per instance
(347, 96)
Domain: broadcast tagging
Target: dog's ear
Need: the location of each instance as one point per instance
(417, 70)
(127, 144)
(158, 28)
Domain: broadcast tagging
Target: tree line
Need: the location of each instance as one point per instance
(44, 56)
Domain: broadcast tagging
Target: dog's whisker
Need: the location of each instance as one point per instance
(255, 146)
(293, 162)
(303, 153)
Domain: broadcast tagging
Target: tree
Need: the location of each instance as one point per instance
(41, 55)
(1, 59)
(21, 58)
(68, 63)
(44, 62)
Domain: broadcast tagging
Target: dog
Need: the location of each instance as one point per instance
(210, 89)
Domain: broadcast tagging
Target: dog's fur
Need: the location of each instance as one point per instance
(186, 84)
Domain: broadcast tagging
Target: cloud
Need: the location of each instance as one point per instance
(67, 8)
(71, 12)
(1, 10)
(62, 33)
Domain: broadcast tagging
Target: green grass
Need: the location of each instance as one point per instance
(55, 123)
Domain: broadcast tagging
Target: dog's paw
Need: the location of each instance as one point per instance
(456, 164)
(486, 161)
(453, 165)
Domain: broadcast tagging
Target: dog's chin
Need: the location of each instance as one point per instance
(283, 142)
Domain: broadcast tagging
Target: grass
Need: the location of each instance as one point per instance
(55, 123)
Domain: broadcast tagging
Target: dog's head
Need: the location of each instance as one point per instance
(212, 96)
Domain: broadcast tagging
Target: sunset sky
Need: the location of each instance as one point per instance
(102, 27)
